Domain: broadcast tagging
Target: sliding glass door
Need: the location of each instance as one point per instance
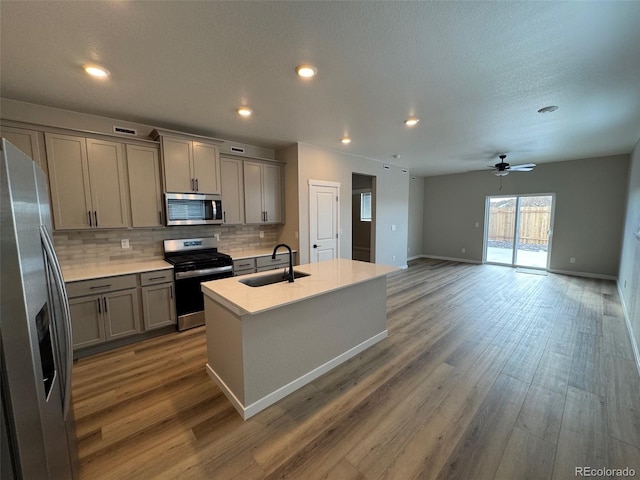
(519, 230)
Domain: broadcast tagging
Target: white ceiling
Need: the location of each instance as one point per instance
(474, 72)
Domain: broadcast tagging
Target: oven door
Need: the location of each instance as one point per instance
(189, 298)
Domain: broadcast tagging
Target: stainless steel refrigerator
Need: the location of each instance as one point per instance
(37, 433)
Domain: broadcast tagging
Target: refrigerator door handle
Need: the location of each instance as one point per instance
(57, 274)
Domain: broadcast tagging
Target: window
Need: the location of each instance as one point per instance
(365, 207)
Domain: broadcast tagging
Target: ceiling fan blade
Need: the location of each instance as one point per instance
(524, 165)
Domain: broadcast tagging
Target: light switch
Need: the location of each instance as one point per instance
(393, 228)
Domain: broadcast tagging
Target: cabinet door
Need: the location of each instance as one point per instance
(176, 158)
(121, 313)
(86, 320)
(106, 178)
(206, 167)
(158, 306)
(29, 141)
(254, 213)
(272, 193)
(69, 181)
(144, 186)
(232, 186)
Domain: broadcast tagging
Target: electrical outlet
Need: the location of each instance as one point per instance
(477, 224)
(393, 228)
(124, 243)
(261, 234)
(393, 258)
(216, 236)
(464, 250)
(572, 260)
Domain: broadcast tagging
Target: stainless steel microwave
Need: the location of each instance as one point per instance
(193, 209)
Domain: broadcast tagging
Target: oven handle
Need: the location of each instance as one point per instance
(203, 272)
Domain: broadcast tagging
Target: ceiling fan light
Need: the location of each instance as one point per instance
(501, 173)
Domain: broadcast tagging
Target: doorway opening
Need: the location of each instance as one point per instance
(363, 217)
(519, 230)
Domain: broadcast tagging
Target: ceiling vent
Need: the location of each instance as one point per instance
(387, 167)
(125, 131)
(236, 149)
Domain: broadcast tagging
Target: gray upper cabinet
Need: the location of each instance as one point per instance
(190, 166)
(232, 184)
(145, 191)
(263, 192)
(29, 141)
(87, 181)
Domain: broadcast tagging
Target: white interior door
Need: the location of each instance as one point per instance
(324, 202)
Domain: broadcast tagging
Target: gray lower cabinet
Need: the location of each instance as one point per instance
(107, 316)
(110, 308)
(244, 266)
(158, 303)
(264, 263)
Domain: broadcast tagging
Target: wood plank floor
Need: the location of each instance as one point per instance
(487, 373)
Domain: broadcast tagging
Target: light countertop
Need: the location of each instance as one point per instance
(76, 274)
(253, 252)
(323, 277)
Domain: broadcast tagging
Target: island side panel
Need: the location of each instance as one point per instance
(283, 345)
(224, 348)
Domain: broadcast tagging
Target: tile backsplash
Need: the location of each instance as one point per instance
(99, 247)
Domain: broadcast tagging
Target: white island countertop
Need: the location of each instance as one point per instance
(323, 277)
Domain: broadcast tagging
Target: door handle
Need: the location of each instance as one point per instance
(315, 246)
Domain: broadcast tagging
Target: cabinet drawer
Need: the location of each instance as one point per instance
(157, 276)
(281, 258)
(100, 285)
(245, 271)
(244, 264)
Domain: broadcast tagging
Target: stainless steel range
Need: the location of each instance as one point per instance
(194, 260)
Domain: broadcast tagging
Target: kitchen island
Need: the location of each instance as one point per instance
(264, 343)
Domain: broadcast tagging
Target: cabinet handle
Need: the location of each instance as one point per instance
(95, 214)
(89, 215)
(105, 305)
(160, 217)
(224, 217)
(244, 265)
(156, 278)
(192, 185)
(100, 286)
(197, 185)
(266, 216)
(99, 309)
(171, 291)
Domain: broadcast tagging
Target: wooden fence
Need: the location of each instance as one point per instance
(534, 224)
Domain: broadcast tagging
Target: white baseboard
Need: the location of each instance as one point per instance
(584, 274)
(452, 259)
(415, 257)
(627, 320)
(404, 267)
(268, 400)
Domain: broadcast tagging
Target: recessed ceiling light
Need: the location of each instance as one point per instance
(549, 109)
(306, 71)
(96, 71)
(346, 140)
(245, 111)
(411, 121)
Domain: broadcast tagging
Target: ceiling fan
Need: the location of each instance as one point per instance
(502, 168)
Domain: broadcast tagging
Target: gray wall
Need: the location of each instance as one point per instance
(416, 216)
(589, 213)
(391, 207)
(629, 280)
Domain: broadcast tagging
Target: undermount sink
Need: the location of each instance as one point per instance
(271, 278)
